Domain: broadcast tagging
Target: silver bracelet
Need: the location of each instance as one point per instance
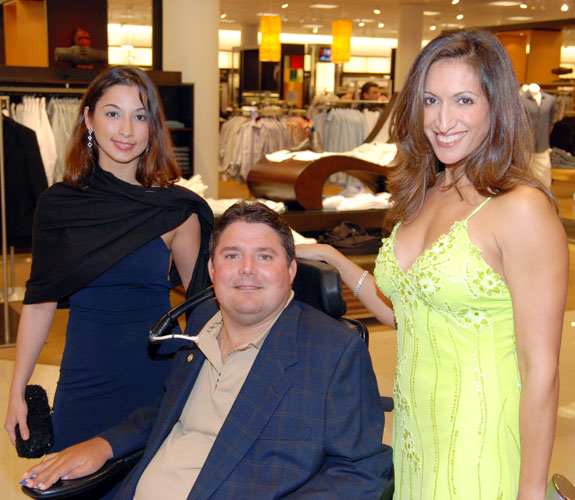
(359, 283)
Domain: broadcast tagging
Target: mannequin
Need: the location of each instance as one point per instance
(540, 106)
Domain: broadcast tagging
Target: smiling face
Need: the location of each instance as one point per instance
(120, 127)
(251, 275)
(456, 110)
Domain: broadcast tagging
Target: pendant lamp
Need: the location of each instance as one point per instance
(270, 47)
(341, 44)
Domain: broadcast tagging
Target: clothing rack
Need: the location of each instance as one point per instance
(351, 103)
(10, 293)
(40, 90)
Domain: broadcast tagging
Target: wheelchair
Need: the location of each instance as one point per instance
(316, 283)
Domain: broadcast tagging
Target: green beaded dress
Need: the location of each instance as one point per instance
(457, 384)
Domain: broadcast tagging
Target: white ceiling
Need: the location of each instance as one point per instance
(299, 13)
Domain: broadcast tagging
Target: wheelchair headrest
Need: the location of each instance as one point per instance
(319, 285)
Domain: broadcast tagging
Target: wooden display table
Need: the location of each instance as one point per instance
(563, 174)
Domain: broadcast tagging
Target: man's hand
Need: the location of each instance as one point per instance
(76, 461)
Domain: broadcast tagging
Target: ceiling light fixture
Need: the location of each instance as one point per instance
(430, 13)
(341, 40)
(376, 11)
(432, 27)
(270, 46)
(223, 15)
(459, 17)
(564, 7)
(323, 6)
(285, 5)
(504, 3)
(454, 2)
(380, 25)
(523, 6)
(361, 24)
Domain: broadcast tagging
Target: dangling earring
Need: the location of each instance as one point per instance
(89, 137)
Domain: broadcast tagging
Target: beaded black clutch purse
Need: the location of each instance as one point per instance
(39, 423)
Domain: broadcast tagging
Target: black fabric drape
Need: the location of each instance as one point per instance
(25, 180)
(80, 233)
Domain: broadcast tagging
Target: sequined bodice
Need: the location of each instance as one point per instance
(457, 385)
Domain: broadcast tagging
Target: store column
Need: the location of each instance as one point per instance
(190, 45)
(250, 35)
(409, 40)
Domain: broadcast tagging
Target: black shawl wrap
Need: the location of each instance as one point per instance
(80, 233)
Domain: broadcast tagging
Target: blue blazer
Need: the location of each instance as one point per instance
(307, 423)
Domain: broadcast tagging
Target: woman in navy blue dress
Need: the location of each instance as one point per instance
(105, 240)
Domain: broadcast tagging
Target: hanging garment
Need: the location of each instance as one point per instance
(62, 113)
(25, 181)
(31, 112)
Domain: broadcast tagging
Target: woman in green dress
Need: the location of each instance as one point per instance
(474, 278)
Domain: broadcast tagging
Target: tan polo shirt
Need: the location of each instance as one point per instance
(179, 461)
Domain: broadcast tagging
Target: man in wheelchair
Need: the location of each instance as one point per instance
(275, 399)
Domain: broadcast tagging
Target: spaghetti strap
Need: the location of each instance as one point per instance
(477, 208)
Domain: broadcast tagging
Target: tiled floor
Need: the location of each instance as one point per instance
(382, 348)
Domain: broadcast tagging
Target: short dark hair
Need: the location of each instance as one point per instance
(366, 86)
(254, 213)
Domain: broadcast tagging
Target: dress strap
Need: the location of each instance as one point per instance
(477, 208)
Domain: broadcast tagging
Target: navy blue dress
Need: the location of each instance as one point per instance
(108, 369)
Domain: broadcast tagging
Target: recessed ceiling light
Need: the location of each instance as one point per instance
(260, 14)
(223, 15)
(459, 17)
(432, 28)
(504, 3)
(285, 5)
(430, 13)
(315, 30)
(519, 18)
(564, 7)
(323, 6)
(376, 11)
(380, 25)
(523, 6)
(454, 2)
(312, 26)
(361, 24)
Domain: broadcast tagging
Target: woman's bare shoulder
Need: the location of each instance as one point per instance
(525, 210)
(524, 201)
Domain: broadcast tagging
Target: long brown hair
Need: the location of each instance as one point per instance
(502, 159)
(157, 165)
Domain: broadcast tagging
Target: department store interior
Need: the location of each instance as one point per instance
(205, 61)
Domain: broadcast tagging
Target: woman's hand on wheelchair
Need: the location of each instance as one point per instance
(76, 461)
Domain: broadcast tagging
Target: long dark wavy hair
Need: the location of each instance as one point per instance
(157, 165)
(500, 162)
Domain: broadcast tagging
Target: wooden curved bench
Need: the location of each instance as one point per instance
(302, 181)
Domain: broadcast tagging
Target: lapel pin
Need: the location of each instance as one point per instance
(190, 357)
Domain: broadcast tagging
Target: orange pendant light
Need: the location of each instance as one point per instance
(341, 44)
(270, 47)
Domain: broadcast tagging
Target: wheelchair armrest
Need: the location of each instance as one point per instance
(65, 488)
